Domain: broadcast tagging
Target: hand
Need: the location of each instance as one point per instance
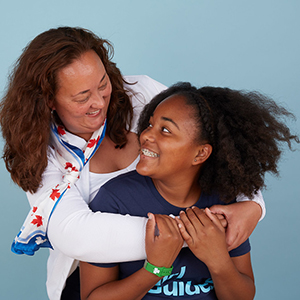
(222, 219)
(242, 218)
(204, 234)
(162, 249)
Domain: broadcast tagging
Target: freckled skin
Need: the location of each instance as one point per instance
(83, 95)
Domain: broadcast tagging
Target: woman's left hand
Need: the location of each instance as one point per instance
(204, 234)
(242, 218)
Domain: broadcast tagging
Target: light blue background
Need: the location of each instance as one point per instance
(235, 43)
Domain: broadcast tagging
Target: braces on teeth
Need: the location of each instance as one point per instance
(149, 153)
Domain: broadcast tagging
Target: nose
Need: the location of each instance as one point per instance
(148, 135)
(99, 100)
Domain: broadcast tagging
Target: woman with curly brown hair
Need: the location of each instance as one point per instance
(199, 147)
(69, 121)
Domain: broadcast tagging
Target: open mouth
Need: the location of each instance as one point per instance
(149, 153)
(93, 113)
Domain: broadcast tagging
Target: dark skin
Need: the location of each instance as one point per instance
(205, 236)
(92, 92)
(112, 288)
(162, 144)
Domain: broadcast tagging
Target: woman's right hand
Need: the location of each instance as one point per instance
(163, 248)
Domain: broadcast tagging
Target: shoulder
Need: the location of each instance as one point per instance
(142, 88)
(143, 82)
(124, 181)
(207, 200)
(123, 194)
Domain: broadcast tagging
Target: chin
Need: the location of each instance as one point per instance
(142, 170)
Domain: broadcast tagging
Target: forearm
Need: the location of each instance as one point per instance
(96, 237)
(257, 198)
(230, 284)
(133, 287)
(77, 232)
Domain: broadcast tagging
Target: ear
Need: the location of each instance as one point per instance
(204, 152)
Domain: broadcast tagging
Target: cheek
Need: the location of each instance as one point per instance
(141, 138)
(108, 91)
(69, 112)
(178, 154)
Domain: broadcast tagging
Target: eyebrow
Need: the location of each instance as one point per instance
(170, 120)
(86, 91)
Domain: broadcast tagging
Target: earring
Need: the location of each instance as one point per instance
(195, 160)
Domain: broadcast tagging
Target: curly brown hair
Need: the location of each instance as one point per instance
(25, 115)
(246, 131)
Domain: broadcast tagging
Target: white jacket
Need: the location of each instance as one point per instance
(75, 232)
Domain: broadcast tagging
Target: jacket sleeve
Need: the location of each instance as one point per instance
(258, 198)
(81, 234)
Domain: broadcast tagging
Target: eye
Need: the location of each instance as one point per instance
(83, 100)
(164, 129)
(103, 87)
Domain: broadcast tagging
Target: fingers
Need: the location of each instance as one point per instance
(221, 210)
(223, 222)
(163, 249)
(158, 223)
(189, 220)
(167, 226)
(196, 215)
(222, 219)
(214, 218)
(194, 220)
(185, 235)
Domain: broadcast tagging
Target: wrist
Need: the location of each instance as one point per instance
(158, 271)
(217, 266)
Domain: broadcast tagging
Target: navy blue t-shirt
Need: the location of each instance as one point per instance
(136, 195)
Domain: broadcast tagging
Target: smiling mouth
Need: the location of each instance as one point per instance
(149, 153)
(93, 113)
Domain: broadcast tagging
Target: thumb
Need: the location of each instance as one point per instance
(219, 209)
(150, 228)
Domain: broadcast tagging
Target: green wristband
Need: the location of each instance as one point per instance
(158, 271)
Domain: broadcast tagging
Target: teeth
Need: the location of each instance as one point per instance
(149, 153)
(93, 113)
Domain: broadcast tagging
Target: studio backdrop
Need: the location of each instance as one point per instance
(248, 45)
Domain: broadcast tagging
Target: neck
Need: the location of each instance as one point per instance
(183, 194)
